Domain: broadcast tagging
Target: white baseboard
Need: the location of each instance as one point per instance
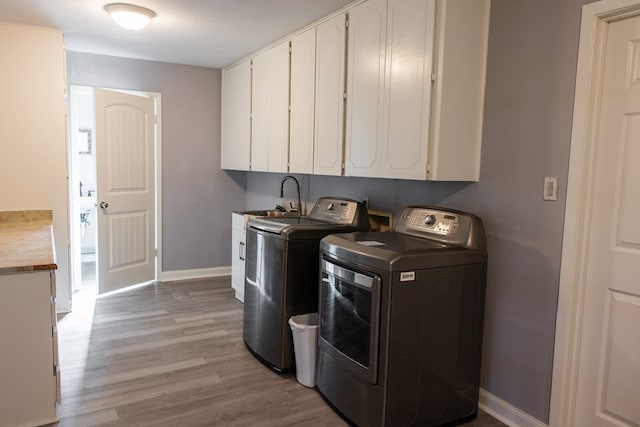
(505, 412)
(200, 273)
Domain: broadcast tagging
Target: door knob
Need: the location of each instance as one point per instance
(104, 205)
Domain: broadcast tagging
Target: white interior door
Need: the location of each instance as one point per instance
(609, 369)
(125, 169)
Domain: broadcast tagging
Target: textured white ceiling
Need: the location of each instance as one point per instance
(209, 33)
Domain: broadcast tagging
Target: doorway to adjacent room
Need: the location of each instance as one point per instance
(114, 157)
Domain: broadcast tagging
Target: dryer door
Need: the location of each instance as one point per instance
(350, 318)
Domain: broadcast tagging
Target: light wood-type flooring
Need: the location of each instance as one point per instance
(172, 354)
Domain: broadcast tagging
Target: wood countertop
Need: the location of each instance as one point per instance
(26, 241)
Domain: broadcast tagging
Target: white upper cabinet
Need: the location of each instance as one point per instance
(462, 33)
(416, 88)
(414, 73)
(329, 101)
(270, 110)
(303, 68)
(406, 102)
(365, 88)
(236, 116)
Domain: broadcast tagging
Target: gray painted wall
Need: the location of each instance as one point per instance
(197, 197)
(533, 49)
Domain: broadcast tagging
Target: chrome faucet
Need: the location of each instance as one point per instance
(299, 207)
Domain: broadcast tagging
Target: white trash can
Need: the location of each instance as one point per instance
(304, 328)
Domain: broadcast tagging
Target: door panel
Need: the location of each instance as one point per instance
(330, 86)
(618, 380)
(125, 137)
(407, 102)
(609, 371)
(260, 113)
(236, 116)
(303, 66)
(270, 110)
(365, 81)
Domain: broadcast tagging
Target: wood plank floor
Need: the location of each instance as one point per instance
(172, 354)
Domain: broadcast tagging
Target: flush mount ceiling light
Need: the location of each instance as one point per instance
(128, 16)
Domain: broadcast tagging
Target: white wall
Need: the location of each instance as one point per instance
(33, 160)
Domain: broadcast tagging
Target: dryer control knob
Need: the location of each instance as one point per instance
(430, 219)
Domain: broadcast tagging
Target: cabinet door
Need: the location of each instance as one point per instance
(270, 114)
(407, 97)
(237, 262)
(28, 392)
(54, 326)
(303, 62)
(462, 39)
(236, 116)
(330, 87)
(389, 101)
(365, 88)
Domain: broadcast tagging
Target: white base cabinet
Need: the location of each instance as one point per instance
(238, 242)
(29, 372)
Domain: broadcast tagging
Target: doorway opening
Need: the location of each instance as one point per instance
(83, 190)
(97, 239)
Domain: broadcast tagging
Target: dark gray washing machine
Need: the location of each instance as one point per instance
(401, 320)
(281, 273)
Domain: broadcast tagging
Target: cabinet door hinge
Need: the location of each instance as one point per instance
(433, 77)
(344, 95)
(346, 21)
(428, 168)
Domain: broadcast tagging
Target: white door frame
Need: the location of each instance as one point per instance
(595, 19)
(157, 96)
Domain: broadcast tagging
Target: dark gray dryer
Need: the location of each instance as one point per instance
(401, 318)
(282, 273)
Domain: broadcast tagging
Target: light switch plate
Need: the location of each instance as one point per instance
(550, 191)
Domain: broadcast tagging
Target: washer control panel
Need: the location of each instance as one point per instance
(340, 211)
(432, 221)
(446, 226)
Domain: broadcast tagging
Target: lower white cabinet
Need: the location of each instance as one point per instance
(238, 241)
(29, 372)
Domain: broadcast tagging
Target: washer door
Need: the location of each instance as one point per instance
(350, 318)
